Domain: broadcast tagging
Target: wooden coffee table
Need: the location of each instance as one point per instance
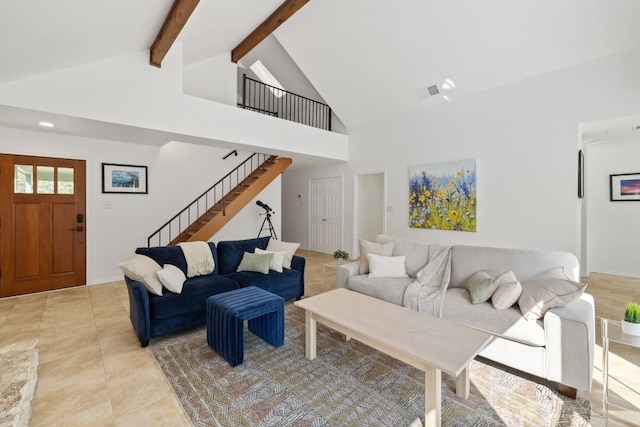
(425, 342)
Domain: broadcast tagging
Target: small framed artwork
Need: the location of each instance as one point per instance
(624, 187)
(126, 179)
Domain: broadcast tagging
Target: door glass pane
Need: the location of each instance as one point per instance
(45, 179)
(65, 180)
(23, 179)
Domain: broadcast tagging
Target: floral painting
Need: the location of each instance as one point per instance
(443, 196)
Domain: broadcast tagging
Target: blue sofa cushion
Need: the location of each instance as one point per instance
(174, 255)
(193, 298)
(285, 284)
(230, 252)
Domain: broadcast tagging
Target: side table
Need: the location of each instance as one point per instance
(331, 266)
(612, 332)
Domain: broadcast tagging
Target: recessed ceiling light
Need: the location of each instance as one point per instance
(47, 124)
(446, 98)
(448, 84)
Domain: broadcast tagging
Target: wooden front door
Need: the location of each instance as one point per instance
(42, 224)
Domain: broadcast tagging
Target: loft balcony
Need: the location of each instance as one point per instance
(273, 101)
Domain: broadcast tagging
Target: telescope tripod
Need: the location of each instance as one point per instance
(267, 225)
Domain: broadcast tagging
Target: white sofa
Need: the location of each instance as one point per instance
(559, 347)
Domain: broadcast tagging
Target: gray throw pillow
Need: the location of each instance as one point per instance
(507, 292)
(548, 290)
(481, 286)
(255, 262)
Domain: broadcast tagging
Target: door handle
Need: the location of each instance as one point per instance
(78, 228)
(324, 219)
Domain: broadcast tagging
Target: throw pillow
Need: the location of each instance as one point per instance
(255, 262)
(386, 266)
(507, 292)
(144, 270)
(384, 249)
(481, 286)
(277, 262)
(172, 278)
(289, 249)
(546, 291)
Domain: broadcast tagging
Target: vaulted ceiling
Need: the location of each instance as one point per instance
(368, 59)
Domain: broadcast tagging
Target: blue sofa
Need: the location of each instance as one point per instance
(153, 316)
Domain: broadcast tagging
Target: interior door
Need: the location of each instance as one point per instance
(42, 224)
(325, 231)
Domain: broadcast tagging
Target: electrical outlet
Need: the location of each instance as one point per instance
(107, 205)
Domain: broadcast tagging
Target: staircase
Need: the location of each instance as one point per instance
(206, 215)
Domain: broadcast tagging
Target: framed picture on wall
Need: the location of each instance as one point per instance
(443, 196)
(624, 187)
(124, 179)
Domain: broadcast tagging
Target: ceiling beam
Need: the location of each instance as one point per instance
(176, 19)
(282, 13)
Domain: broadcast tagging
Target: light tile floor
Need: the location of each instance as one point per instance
(93, 371)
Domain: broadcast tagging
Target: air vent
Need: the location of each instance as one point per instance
(426, 92)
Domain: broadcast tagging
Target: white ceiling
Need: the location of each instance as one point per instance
(366, 58)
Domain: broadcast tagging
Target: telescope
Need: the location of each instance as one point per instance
(264, 206)
(266, 224)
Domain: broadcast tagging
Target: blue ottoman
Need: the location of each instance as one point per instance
(227, 312)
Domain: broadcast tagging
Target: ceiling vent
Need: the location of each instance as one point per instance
(425, 92)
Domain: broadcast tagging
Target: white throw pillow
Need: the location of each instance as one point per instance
(386, 266)
(548, 290)
(277, 262)
(172, 278)
(289, 249)
(508, 291)
(385, 249)
(144, 270)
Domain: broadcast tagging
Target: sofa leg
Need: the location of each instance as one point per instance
(144, 343)
(567, 391)
(298, 299)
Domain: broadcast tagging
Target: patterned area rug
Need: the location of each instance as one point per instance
(348, 384)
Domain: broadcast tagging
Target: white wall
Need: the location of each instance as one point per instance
(524, 138)
(613, 228)
(177, 174)
(370, 205)
(214, 79)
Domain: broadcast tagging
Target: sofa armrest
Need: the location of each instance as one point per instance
(570, 343)
(298, 263)
(344, 271)
(139, 310)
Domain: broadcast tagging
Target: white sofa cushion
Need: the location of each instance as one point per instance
(172, 278)
(386, 266)
(145, 270)
(507, 323)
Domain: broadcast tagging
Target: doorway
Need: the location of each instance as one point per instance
(42, 224)
(325, 215)
(369, 207)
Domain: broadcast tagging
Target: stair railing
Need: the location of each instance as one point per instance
(183, 219)
(273, 101)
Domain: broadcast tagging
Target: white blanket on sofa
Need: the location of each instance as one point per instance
(199, 258)
(426, 293)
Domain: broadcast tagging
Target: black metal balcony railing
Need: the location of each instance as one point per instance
(266, 99)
